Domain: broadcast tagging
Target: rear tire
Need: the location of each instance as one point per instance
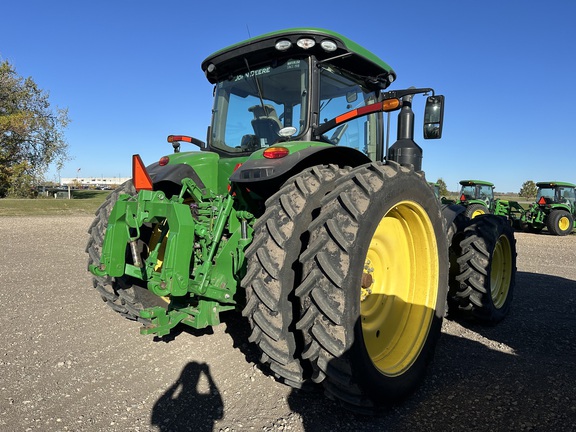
(119, 293)
(273, 270)
(560, 222)
(474, 210)
(485, 270)
(374, 291)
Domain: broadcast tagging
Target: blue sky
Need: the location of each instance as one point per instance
(129, 73)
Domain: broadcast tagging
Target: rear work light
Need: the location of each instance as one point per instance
(276, 152)
(140, 177)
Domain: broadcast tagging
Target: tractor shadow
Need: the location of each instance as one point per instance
(518, 375)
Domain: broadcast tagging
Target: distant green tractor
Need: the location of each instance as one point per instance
(478, 198)
(555, 209)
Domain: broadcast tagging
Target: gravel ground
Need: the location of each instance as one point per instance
(67, 362)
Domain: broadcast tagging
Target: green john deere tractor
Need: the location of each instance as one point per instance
(477, 196)
(335, 250)
(555, 209)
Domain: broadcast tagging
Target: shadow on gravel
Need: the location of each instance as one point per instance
(192, 403)
(519, 375)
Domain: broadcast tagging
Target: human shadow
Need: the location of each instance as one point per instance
(518, 375)
(192, 403)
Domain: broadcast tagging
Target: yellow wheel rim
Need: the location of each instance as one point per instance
(563, 223)
(478, 213)
(501, 271)
(399, 288)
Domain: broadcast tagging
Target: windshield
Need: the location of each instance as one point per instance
(563, 195)
(250, 109)
(469, 192)
(479, 192)
(340, 93)
(546, 193)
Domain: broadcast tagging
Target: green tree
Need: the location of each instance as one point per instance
(31, 133)
(528, 189)
(443, 187)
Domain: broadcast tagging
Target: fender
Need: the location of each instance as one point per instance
(264, 176)
(202, 167)
(450, 212)
(173, 174)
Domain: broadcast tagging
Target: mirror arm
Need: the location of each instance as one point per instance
(392, 94)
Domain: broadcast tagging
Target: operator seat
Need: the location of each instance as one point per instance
(266, 123)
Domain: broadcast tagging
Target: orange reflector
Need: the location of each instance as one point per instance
(542, 201)
(462, 197)
(140, 177)
(391, 104)
(276, 152)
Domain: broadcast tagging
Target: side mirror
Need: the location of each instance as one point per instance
(433, 117)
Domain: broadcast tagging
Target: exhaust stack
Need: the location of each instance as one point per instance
(405, 151)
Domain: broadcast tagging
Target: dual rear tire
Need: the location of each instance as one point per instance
(370, 297)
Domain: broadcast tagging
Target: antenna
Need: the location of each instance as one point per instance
(248, 30)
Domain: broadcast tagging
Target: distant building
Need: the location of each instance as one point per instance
(98, 182)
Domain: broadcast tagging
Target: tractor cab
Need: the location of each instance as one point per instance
(477, 196)
(481, 192)
(308, 86)
(285, 86)
(556, 193)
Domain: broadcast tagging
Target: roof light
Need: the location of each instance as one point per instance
(283, 45)
(140, 176)
(276, 152)
(306, 43)
(328, 45)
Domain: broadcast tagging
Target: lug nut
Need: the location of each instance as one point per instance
(367, 280)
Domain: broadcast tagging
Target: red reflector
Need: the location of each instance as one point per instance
(140, 177)
(276, 152)
(164, 160)
(462, 197)
(176, 138)
(542, 201)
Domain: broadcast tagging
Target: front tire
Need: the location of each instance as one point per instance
(485, 271)
(374, 291)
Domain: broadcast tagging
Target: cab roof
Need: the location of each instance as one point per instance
(554, 184)
(259, 50)
(475, 182)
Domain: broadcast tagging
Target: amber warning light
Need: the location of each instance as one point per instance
(140, 177)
